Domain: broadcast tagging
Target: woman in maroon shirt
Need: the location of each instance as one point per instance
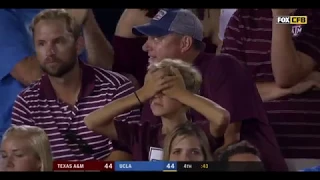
(131, 60)
(170, 85)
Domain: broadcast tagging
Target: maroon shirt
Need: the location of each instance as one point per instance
(141, 137)
(131, 59)
(226, 82)
(210, 47)
(39, 106)
(294, 118)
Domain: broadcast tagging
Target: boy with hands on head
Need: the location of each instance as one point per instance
(170, 85)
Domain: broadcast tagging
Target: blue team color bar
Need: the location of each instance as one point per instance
(145, 166)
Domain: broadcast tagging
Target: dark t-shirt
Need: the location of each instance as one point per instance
(131, 59)
(227, 82)
(144, 139)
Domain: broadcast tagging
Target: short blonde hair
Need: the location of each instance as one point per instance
(58, 14)
(187, 129)
(191, 76)
(38, 140)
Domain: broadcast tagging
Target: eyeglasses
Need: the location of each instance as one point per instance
(74, 139)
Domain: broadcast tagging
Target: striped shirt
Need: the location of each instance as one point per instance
(295, 118)
(38, 105)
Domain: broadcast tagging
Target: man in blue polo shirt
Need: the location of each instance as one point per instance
(19, 68)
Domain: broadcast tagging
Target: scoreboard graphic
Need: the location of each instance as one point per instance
(145, 166)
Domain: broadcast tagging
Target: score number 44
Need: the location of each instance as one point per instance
(108, 166)
(170, 166)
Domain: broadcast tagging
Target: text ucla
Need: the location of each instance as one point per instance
(125, 166)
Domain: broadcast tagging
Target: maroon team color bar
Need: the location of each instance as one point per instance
(86, 165)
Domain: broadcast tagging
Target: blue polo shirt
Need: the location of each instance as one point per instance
(15, 45)
(312, 169)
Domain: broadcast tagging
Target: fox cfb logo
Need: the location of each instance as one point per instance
(292, 20)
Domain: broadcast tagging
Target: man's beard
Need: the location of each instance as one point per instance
(63, 69)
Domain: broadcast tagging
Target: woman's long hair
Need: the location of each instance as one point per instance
(38, 141)
(187, 130)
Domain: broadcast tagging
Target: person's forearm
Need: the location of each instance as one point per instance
(270, 90)
(289, 66)
(100, 51)
(219, 118)
(104, 116)
(27, 71)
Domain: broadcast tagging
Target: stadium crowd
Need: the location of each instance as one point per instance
(226, 85)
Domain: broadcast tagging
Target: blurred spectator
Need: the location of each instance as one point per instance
(226, 82)
(291, 101)
(225, 16)
(16, 46)
(169, 85)
(26, 148)
(224, 19)
(242, 156)
(132, 60)
(187, 143)
(68, 91)
(19, 65)
(240, 152)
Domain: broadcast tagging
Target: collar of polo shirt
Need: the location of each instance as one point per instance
(88, 78)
